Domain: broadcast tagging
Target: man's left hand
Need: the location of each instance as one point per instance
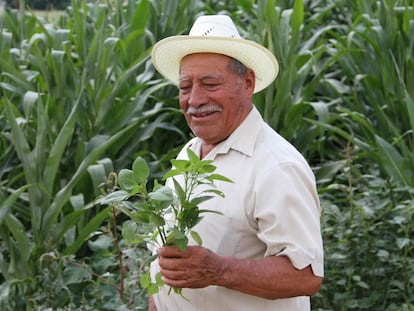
(196, 267)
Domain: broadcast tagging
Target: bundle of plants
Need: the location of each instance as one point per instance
(166, 215)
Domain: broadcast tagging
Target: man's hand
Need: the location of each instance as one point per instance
(271, 277)
(196, 267)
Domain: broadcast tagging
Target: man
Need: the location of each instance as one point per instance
(265, 251)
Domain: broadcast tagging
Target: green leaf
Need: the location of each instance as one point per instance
(60, 143)
(75, 275)
(158, 279)
(192, 156)
(178, 239)
(179, 191)
(172, 173)
(213, 177)
(392, 160)
(141, 16)
(410, 105)
(197, 200)
(141, 170)
(10, 201)
(196, 237)
(21, 144)
(127, 180)
(153, 289)
(103, 242)
(19, 233)
(85, 232)
(156, 220)
(181, 243)
(297, 17)
(145, 280)
(130, 232)
(201, 211)
(162, 194)
(143, 216)
(180, 165)
(113, 197)
(216, 192)
(98, 175)
(29, 101)
(403, 242)
(61, 229)
(207, 168)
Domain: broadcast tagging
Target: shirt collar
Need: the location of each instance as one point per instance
(243, 138)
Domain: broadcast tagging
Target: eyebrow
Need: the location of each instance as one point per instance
(208, 76)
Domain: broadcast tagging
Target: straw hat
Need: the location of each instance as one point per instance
(214, 34)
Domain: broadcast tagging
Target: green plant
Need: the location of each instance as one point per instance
(166, 215)
(367, 225)
(80, 96)
(70, 96)
(374, 105)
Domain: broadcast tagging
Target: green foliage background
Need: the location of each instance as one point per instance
(39, 4)
(80, 99)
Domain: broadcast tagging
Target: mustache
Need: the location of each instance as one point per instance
(207, 108)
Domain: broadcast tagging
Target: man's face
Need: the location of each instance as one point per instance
(214, 99)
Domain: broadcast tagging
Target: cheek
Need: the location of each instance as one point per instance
(183, 101)
(234, 112)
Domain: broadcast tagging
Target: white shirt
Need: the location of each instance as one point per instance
(271, 209)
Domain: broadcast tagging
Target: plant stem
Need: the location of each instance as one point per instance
(119, 254)
(161, 230)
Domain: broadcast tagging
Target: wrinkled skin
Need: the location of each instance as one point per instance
(215, 101)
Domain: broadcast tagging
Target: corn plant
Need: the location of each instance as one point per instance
(70, 95)
(79, 99)
(344, 86)
(373, 88)
(369, 128)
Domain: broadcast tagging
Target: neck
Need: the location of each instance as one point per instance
(205, 149)
(208, 145)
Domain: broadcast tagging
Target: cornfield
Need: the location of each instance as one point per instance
(79, 99)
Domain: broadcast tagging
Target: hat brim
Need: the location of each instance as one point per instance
(167, 54)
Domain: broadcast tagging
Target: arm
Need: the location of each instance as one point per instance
(271, 277)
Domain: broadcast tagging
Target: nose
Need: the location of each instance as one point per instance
(197, 96)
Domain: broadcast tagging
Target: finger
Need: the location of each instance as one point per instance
(174, 275)
(171, 263)
(183, 283)
(175, 283)
(173, 252)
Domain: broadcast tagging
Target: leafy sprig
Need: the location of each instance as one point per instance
(167, 214)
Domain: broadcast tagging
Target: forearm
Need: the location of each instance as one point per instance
(272, 277)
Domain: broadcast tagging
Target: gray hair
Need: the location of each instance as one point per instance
(237, 67)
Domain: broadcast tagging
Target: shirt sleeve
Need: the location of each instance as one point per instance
(288, 215)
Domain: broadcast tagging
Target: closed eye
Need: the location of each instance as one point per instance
(184, 88)
(211, 85)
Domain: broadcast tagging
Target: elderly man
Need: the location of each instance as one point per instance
(265, 251)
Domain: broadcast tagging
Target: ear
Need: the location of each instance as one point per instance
(250, 81)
